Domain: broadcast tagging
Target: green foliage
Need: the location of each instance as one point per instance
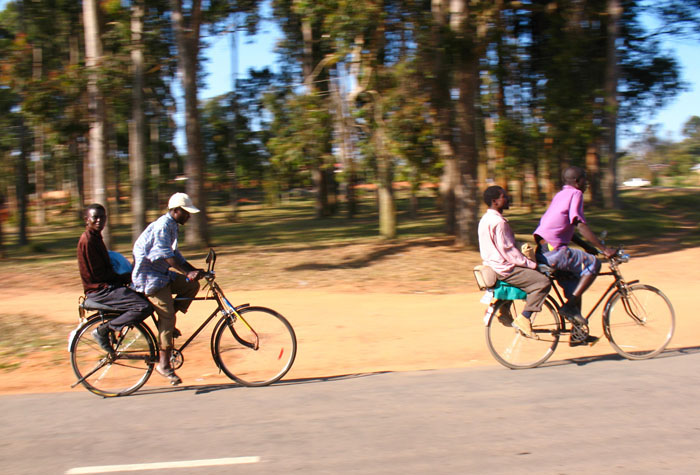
(409, 126)
(299, 135)
(648, 217)
(653, 158)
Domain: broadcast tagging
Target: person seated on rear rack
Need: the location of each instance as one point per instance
(554, 233)
(500, 252)
(102, 284)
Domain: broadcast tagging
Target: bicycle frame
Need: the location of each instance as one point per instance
(616, 285)
(223, 306)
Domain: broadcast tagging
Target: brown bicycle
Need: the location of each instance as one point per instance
(254, 346)
(638, 321)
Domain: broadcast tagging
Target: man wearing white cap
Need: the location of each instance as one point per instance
(155, 252)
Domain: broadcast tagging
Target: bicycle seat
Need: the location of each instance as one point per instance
(92, 305)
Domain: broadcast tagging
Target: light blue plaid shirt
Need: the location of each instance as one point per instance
(155, 244)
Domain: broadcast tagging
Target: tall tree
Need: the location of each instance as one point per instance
(469, 21)
(137, 130)
(187, 26)
(96, 151)
(614, 14)
(188, 19)
(440, 50)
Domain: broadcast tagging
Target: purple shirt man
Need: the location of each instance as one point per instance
(559, 222)
(555, 232)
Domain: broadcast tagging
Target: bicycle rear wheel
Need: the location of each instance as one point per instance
(257, 349)
(513, 349)
(121, 373)
(639, 322)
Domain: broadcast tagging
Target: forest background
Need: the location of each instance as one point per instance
(411, 106)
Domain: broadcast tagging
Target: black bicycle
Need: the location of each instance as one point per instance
(254, 346)
(638, 320)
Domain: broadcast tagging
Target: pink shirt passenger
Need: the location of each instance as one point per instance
(558, 223)
(497, 244)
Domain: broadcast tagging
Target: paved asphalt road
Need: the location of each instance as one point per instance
(600, 415)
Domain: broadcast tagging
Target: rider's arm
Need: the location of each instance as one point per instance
(592, 238)
(185, 267)
(576, 239)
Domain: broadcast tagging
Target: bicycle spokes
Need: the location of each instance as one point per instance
(639, 321)
(257, 348)
(123, 371)
(634, 308)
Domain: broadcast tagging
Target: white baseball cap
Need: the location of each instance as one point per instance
(182, 200)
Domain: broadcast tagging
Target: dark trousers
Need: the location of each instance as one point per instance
(134, 305)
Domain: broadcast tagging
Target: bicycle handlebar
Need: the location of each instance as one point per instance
(620, 257)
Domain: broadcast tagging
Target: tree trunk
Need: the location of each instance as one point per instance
(310, 58)
(137, 155)
(22, 187)
(385, 176)
(441, 105)
(155, 154)
(344, 143)
(115, 172)
(3, 214)
(468, 83)
(593, 173)
(610, 114)
(187, 37)
(319, 182)
(233, 178)
(413, 197)
(40, 185)
(96, 151)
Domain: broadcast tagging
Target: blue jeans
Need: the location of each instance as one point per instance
(575, 261)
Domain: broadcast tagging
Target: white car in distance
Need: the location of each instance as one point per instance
(636, 182)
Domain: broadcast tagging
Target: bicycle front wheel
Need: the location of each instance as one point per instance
(513, 349)
(639, 321)
(119, 374)
(257, 349)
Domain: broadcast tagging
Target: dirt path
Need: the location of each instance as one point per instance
(343, 330)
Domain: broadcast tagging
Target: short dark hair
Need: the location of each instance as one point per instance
(572, 174)
(492, 193)
(96, 207)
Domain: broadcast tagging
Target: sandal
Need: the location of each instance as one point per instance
(170, 374)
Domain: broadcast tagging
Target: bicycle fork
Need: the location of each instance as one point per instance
(232, 314)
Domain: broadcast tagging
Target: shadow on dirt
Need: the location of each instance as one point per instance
(381, 251)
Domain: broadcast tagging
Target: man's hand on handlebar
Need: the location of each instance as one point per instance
(195, 274)
(608, 252)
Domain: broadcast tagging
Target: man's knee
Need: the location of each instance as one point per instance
(193, 287)
(543, 283)
(592, 266)
(145, 308)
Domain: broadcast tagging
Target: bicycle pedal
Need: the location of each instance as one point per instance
(589, 341)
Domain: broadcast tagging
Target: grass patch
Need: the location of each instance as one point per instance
(24, 335)
(647, 214)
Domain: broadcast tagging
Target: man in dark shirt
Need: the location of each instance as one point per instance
(102, 284)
